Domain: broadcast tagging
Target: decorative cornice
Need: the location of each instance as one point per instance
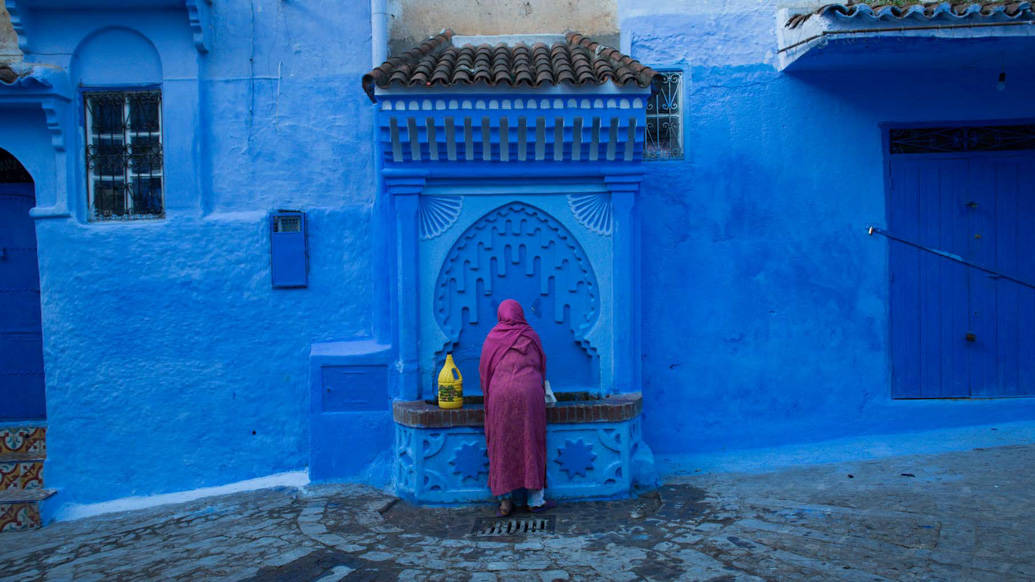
(54, 111)
(512, 129)
(32, 82)
(404, 185)
(504, 102)
(198, 16)
(47, 87)
(27, 83)
(623, 183)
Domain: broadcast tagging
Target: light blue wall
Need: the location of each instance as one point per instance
(765, 302)
(171, 363)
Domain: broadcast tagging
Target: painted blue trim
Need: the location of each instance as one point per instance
(198, 18)
(475, 170)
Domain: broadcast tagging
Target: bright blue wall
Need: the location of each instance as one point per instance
(765, 302)
(171, 363)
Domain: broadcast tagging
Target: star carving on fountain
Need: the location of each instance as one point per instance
(470, 461)
(575, 458)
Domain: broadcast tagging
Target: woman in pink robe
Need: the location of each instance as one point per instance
(512, 371)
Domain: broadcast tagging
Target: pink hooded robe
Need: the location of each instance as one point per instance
(512, 370)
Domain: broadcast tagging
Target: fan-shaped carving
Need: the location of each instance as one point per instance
(435, 214)
(593, 211)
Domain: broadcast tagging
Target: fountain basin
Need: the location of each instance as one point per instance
(594, 450)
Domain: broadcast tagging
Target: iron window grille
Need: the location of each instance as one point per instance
(285, 223)
(664, 139)
(124, 154)
(935, 140)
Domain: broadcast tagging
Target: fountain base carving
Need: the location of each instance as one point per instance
(594, 450)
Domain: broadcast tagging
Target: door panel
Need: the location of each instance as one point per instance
(957, 331)
(979, 238)
(1013, 372)
(21, 345)
(928, 293)
(905, 282)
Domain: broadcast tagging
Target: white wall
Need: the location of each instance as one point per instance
(411, 21)
(8, 40)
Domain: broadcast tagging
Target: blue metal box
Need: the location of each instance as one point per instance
(289, 249)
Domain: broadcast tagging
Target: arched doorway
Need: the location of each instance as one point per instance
(21, 338)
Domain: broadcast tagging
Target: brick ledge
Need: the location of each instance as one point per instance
(612, 408)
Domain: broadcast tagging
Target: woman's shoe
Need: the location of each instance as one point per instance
(548, 504)
(505, 509)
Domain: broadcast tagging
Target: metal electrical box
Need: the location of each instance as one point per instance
(289, 249)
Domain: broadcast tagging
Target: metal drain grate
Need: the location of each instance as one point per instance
(493, 527)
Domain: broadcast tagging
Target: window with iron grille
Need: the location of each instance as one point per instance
(664, 139)
(124, 154)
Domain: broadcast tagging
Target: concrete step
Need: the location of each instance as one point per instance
(25, 495)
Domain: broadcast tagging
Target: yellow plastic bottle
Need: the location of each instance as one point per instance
(450, 385)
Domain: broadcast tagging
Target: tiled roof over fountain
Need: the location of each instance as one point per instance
(575, 61)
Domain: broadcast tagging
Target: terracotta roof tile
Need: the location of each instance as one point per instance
(878, 10)
(7, 74)
(577, 61)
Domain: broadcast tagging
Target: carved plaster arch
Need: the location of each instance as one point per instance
(132, 44)
(500, 235)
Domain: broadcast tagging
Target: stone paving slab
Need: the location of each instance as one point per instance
(956, 516)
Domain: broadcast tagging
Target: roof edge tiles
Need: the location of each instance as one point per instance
(951, 11)
(577, 61)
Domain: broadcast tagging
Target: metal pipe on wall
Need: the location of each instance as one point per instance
(378, 32)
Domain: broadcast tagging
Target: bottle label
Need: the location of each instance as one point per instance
(447, 392)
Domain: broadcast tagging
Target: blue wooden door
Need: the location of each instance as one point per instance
(1013, 219)
(21, 344)
(956, 331)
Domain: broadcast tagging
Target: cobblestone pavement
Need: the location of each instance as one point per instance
(957, 516)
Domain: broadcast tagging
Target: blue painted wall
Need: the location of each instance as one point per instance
(172, 364)
(765, 302)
